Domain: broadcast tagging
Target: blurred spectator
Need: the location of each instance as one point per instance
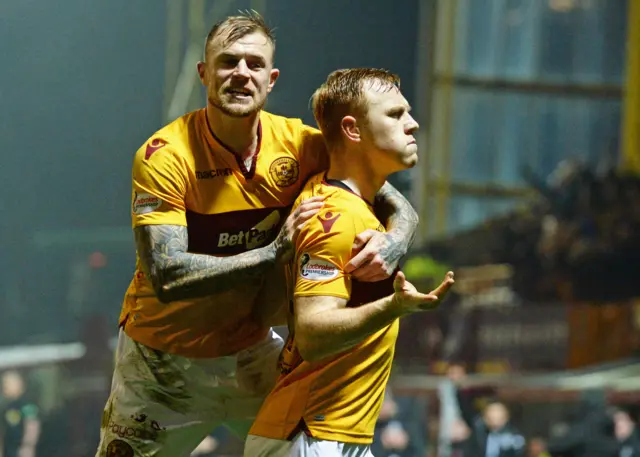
(87, 386)
(20, 429)
(627, 434)
(399, 431)
(461, 443)
(492, 435)
(591, 434)
(537, 448)
(452, 428)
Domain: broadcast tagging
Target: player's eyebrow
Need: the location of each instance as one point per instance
(399, 109)
(230, 55)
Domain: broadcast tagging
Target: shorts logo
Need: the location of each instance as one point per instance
(138, 433)
(284, 171)
(119, 448)
(316, 269)
(145, 203)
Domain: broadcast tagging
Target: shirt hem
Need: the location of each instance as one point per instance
(177, 349)
(281, 432)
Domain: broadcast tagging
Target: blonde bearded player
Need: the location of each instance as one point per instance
(342, 332)
(211, 193)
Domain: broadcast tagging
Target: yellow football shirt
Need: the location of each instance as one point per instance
(336, 399)
(185, 176)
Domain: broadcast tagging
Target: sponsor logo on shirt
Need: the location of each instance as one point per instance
(153, 146)
(316, 269)
(145, 203)
(216, 173)
(254, 237)
(327, 220)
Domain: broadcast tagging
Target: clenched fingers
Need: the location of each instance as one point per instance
(373, 270)
(306, 211)
(363, 238)
(310, 202)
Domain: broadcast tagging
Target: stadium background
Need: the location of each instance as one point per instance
(527, 187)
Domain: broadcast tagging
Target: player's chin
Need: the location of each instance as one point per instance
(240, 109)
(410, 159)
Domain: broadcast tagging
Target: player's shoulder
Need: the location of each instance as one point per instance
(338, 197)
(310, 189)
(342, 214)
(171, 141)
(288, 126)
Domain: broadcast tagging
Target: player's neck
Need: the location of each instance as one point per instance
(357, 174)
(240, 134)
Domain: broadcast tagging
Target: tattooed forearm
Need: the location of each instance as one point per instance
(177, 274)
(400, 219)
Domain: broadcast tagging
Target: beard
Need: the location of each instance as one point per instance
(237, 110)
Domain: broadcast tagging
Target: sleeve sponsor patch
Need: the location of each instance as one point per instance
(144, 203)
(316, 269)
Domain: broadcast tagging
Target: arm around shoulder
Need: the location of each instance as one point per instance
(177, 274)
(161, 178)
(397, 213)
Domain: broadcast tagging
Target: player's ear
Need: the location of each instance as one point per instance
(350, 129)
(201, 71)
(273, 76)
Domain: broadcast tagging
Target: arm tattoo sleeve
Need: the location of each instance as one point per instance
(400, 219)
(177, 274)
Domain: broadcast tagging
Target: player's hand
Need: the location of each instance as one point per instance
(286, 241)
(375, 256)
(409, 300)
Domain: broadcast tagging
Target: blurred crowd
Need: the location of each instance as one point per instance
(455, 421)
(475, 424)
(590, 225)
(576, 240)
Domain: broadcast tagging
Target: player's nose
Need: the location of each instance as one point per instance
(412, 126)
(242, 69)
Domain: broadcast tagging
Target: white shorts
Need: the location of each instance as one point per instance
(302, 446)
(163, 405)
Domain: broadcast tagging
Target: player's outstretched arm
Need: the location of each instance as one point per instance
(177, 274)
(325, 326)
(377, 254)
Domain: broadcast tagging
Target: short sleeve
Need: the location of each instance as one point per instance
(313, 157)
(160, 178)
(323, 249)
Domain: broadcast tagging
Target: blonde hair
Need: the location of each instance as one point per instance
(233, 28)
(342, 94)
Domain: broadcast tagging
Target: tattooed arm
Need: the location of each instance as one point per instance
(378, 254)
(177, 274)
(401, 220)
